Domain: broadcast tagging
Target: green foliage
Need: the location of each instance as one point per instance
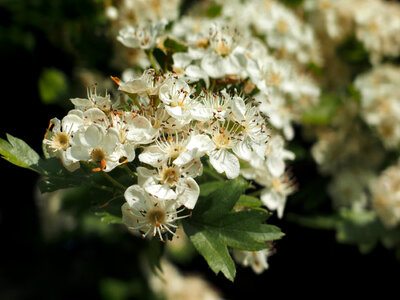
(56, 177)
(53, 86)
(364, 229)
(214, 10)
(214, 227)
(162, 58)
(359, 228)
(209, 187)
(249, 202)
(108, 218)
(19, 153)
(174, 46)
(293, 2)
(324, 111)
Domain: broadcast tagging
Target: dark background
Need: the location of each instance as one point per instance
(33, 37)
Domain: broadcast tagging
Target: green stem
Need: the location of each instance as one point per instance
(212, 174)
(101, 187)
(135, 100)
(152, 61)
(255, 193)
(113, 181)
(213, 83)
(126, 168)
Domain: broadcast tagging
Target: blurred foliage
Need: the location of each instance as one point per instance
(53, 86)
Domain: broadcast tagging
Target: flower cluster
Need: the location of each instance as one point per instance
(379, 92)
(172, 128)
(375, 23)
(354, 146)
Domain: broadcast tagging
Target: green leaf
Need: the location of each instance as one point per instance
(19, 153)
(161, 58)
(214, 226)
(53, 85)
(214, 11)
(209, 187)
(174, 46)
(220, 201)
(108, 218)
(57, 177)
(154, 252)
(324, 111)
(213, 250)
(249, 202)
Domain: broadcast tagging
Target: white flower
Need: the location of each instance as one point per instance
(146, 214)
(218, 104)
(257, 260)
(177, 149)
(176, 95)
(145, 85)
(386, 196)
(61, 138)
(171, 182)
(133, 129)
(144, 37)
(275, 193)
(98, 145)
(93, 100)
(253, 135)
(224, 136)
(275, 189)
(184, 65)
(224, 56)
(279, 113)
(276, 155)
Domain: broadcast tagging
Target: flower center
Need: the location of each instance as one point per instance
(156, 216)
(175, 150)
(203, 43)
(276, 184)
(169, 176)
(223, 49)
(221, 140)
(274, 79)
(61, 141)
(282, 26)
(97, 155)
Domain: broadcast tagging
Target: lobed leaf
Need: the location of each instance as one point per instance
(214, 226)
(17, 152)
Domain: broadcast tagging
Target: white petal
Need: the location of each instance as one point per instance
(162, 192)
(153, 156)
(181, 59)
(238, 108)
(275, 165)
(201, 142)
(212, 64)
(243, 150)
(141, 131)
(201, 113)
(185, 157)
(97, 116)
(71, 123)
(188, 191)
(135, 195)
(145, 176)
(111, 140)
(195, 72)
(81, 102)
(224, 161)
(79, 153)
